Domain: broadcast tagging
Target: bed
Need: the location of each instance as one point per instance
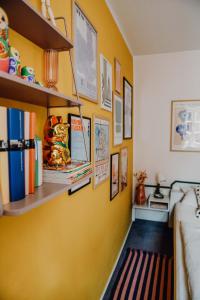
(184, 219)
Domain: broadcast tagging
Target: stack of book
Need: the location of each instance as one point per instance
(18, 157)
(71, 174)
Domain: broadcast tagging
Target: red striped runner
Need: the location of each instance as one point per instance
(144, 276)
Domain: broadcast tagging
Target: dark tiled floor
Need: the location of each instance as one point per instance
(145, 235)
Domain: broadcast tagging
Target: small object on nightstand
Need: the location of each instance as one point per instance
(140, 197)
(157, 194)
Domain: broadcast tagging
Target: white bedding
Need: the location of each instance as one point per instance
(191, 242)
(183, 213)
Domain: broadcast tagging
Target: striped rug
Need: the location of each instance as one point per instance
(144, 276)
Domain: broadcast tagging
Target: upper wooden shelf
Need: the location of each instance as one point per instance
(27, 21)
(13, 87)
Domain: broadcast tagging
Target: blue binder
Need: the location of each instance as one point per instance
(16, 154)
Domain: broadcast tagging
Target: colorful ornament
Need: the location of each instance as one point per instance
(14, 62)
(56, 151)
(4, 46)
(28, 74)
(3, 25)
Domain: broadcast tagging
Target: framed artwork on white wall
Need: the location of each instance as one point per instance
(185, 125)
(117, 120)
(106, 83)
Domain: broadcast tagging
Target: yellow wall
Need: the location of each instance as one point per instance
(66, 248)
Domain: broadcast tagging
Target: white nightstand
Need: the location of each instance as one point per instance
(153, 210)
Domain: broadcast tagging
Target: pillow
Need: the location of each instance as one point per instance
(190, 199)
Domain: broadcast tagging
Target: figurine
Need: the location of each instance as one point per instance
(4, 44)
(47, 10)
(56, 151)
(28, 74)
(14, 62)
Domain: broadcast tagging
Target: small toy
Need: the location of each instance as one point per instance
(56, 152)
(4, 46)
(3, 25)
(28, 74)
(14, 62)
(47, 10)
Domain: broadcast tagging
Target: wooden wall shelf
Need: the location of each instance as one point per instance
(43, 194)
(27, 21)
(13, 87)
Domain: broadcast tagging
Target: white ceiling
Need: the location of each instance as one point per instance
(158, 26)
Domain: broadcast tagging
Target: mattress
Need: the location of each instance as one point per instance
(185, 213)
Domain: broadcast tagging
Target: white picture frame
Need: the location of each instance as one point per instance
(128, 109)
(85, 55)
(117, 120)
(106, 83)
(101, 150)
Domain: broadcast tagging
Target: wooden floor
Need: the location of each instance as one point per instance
(145, 235)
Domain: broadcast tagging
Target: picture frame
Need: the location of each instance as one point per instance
(128, 109)
(101, 149)
(124, 168)
(114, 175)
(77, 146)
(117, 76)
(185, 126)
(85, 54)
(106, 83)
(117, 120)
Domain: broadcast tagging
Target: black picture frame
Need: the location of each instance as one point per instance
(111, 175)
(125, 81)
(70, 117)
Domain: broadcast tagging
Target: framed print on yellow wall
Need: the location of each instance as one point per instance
(114, 175)
(101, 150)
(106, 83)
(117, 120)
(185, 125)
(117, 76)
(85, 54)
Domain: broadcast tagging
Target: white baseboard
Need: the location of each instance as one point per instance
(116, 262)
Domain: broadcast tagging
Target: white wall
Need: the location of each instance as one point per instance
(159, 79)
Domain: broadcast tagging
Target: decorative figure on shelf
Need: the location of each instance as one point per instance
(56, 151)
(28, 74)
(14, 62)
(51, 68)
(47, 11)
(159, 179)
(4, 42)
(140, 197)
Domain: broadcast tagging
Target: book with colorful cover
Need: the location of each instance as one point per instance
(27, 149)
(15, 122)
(32, 153)
(4, 173)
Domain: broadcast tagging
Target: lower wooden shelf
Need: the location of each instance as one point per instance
(43, 194)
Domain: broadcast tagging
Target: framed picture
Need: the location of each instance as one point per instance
(106, 83)
(85, 55)
(114, 175)
(185, 125)
(124, 168)
(117, 120)
(128, 109)
(101, 150)
(117, 76)
(77, 145)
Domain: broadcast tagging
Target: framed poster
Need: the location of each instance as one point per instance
(106, 83)
(101, 150)
(124, 168)
(128, 109)
(85, 55)
(114, 175)
(77, 145)
(117, 120)
(185, 125)
(117, 76)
